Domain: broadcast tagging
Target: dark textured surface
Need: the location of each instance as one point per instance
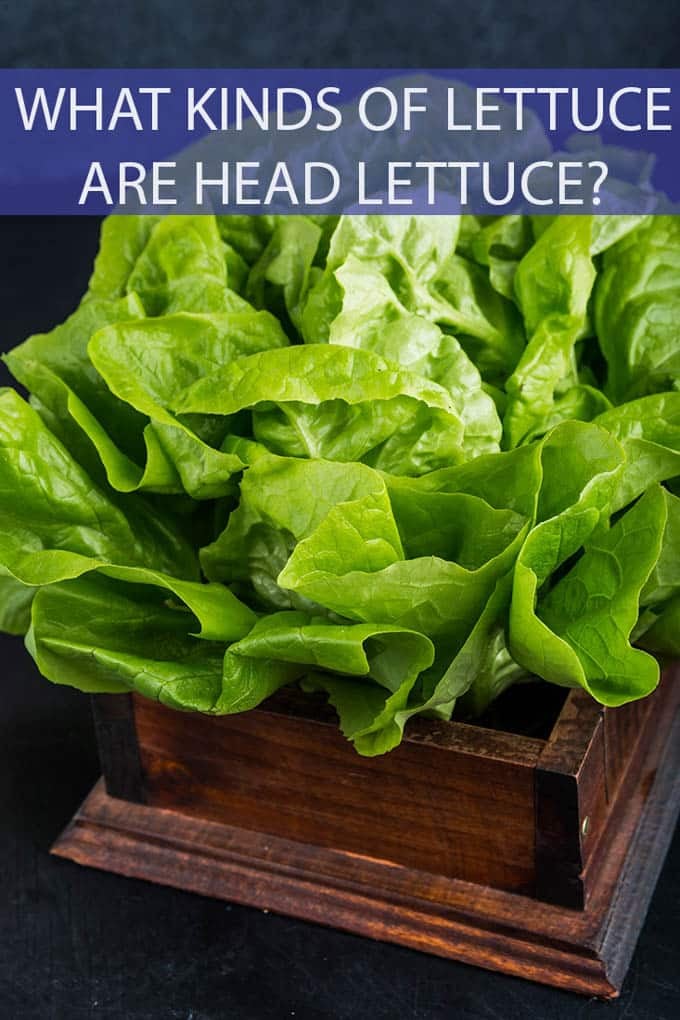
(259, 33)
(76, 943)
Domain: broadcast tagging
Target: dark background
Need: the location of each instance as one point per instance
(349, 33)
(76, 943)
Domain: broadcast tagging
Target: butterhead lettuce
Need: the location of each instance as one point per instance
(404, 461)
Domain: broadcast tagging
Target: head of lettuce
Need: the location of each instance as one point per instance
(406, 461)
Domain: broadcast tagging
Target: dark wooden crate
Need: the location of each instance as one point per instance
(534, 857)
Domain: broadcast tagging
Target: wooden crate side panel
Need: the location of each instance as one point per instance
(584, 776)
(428, 804)
(640, 731)
(570, 785)
(623, 729)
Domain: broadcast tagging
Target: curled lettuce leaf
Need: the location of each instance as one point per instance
(284, 500)
(418, 265)
(55, 523)
(372, 318)
(74, 400)
(378, 663)
(281, 277)
(637, 309)
(401, 462)
(553, 285)
(99, 635)
(500, 245)
(407, 251)
(649, 432)
(185, 266)
(79, 381)
(592, 611)
(148, 365)
(335, 403)
(122, 241)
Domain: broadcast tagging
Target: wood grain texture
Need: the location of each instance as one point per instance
(573, 754)
(273, 809)
(584, 951)
(452, 799)
(587, 770)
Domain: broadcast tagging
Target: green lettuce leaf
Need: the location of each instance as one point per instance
(487, 325)
(553, 285)
(150, 364)
(122, 240)
(285, 500)
(335, 403)
(637, 308)
(372, 318)
(15, 603)
(438, 596)
(55, 523)
(247, 235)
(280, 278)
(579, 480)
(184, 267)
(500, 245)
(74, 399)
(378, 664)
(661, 634)
(649, 432)
(592, 611)
(99, 635)
(407, 251)
(416, 259)
(404, 462)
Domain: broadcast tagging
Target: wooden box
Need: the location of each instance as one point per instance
(536, 857)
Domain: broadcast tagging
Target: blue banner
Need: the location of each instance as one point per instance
(331, 141)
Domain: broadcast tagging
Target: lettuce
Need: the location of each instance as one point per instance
(637, 306)
(404, 461)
